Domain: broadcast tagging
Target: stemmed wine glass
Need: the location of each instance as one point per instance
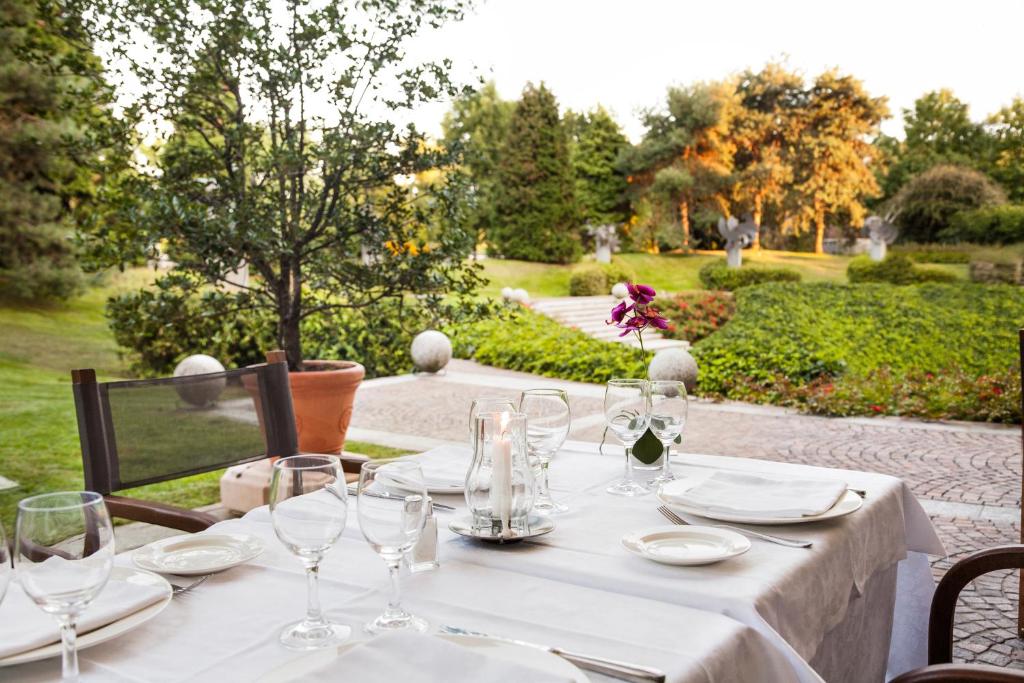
(5, 564)
(547, 425)
(669, 407)
(392, 508)
(627, 412)
(309, 507)
(64, 551)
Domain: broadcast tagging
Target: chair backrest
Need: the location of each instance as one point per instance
(146, 431)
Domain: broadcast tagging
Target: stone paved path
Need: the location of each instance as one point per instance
(967, 476)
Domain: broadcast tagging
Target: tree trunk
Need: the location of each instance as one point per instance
(684, 222)
(289, 315)
(819, 229)
(758, 212)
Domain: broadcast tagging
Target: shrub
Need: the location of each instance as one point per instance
(936, 350)
(597, 279)
(696, 315)
(896, 269)
(531, 342)
(990, 225)
(928, 202)
(934, 253)
(718, 275)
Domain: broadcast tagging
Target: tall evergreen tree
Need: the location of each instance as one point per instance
(600, 185)
(477, 127)
(536, 212)
(54, 145)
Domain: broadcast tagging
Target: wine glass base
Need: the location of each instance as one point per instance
(549, 507)
(408, 622)
(628, 488)
(662, 479)
(305, 636)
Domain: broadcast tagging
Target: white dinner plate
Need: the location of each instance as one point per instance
(111, 630)
(850, 502)
(298, 669)
(195, 554)
(686, 545)
(441, 487)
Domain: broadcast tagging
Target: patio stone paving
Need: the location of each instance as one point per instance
(968, 476)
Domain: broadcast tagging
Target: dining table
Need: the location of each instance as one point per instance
(852, 607)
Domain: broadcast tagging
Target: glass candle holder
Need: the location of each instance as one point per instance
(500, 486)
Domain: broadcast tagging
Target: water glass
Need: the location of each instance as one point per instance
(5, 564)
(547, 425)
(309, 508)
(627, 413)
(64, 551)
(392, 508)
(669, 406)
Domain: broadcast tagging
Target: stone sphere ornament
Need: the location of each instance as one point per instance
(619, 290)
(520, 296)
(507, 293)
(674, 364)
(431, 351)
(203, 393)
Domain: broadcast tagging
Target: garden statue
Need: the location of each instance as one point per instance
(882, 233)
(200, 394)
(431, 350)
(674, 364)
(606, 241)
(736, 235)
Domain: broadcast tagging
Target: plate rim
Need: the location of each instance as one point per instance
(832, 513)
(105, 633)
(140, 561)
(547, 527)
(745, 543)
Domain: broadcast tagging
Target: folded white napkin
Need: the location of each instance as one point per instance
(737, 493)
(442, 474)
(24, 626)
(416, 658)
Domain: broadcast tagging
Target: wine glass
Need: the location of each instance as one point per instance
(392, 508)
(547, 425)
(5, 564)
(64, 551)
(669, 407)
(627, 412)
(309, 507)
(488, 404)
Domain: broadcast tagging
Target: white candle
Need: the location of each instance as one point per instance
(501, 478)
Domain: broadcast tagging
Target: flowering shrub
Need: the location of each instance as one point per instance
(693, 316)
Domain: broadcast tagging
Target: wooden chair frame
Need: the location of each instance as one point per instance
(99, 456)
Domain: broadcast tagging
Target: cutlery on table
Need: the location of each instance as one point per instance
(352, 490)
(789, 542)
(179, 590)
(609, 667)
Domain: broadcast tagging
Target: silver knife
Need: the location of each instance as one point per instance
(352, 490)
(608, 667)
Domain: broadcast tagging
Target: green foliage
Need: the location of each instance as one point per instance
(896, 269)
(54, 148)
(801, 344)
(991, 225)
(925, 206)
(1006, 155)
(696, 315)
(531, 342)
(597, 279)
(998, 265)
(536, 205)
(277, 161)
(934, 253)
(718, 275)
(597, 142)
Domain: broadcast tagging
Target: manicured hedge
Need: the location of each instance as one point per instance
(895, 269)
(935, 253)
(597, 279)
(931, 350)
(718, 275)
(991, 225)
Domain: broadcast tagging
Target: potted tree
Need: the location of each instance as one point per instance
(286, 174)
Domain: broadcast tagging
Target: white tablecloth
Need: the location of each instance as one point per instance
(759, 617)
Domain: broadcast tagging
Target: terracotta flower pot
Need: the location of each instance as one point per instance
(323, 395)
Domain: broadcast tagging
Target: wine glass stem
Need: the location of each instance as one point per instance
(629, 464)
(395, 602)
(69, 651)
(545, 492)
(313, 613)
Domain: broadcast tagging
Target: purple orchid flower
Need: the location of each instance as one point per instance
(641, 294)
(618, 313)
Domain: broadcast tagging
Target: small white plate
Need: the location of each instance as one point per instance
(686, 545)
(850, 502)
(195, 554)
(298, 669)
(111, 630)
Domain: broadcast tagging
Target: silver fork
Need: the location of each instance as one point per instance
(609, 667)
(178, 590)
(788, 542)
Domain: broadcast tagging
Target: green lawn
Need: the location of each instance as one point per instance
(667, 272)
(39, 446)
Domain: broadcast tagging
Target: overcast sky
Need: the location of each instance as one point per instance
(624, 54)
